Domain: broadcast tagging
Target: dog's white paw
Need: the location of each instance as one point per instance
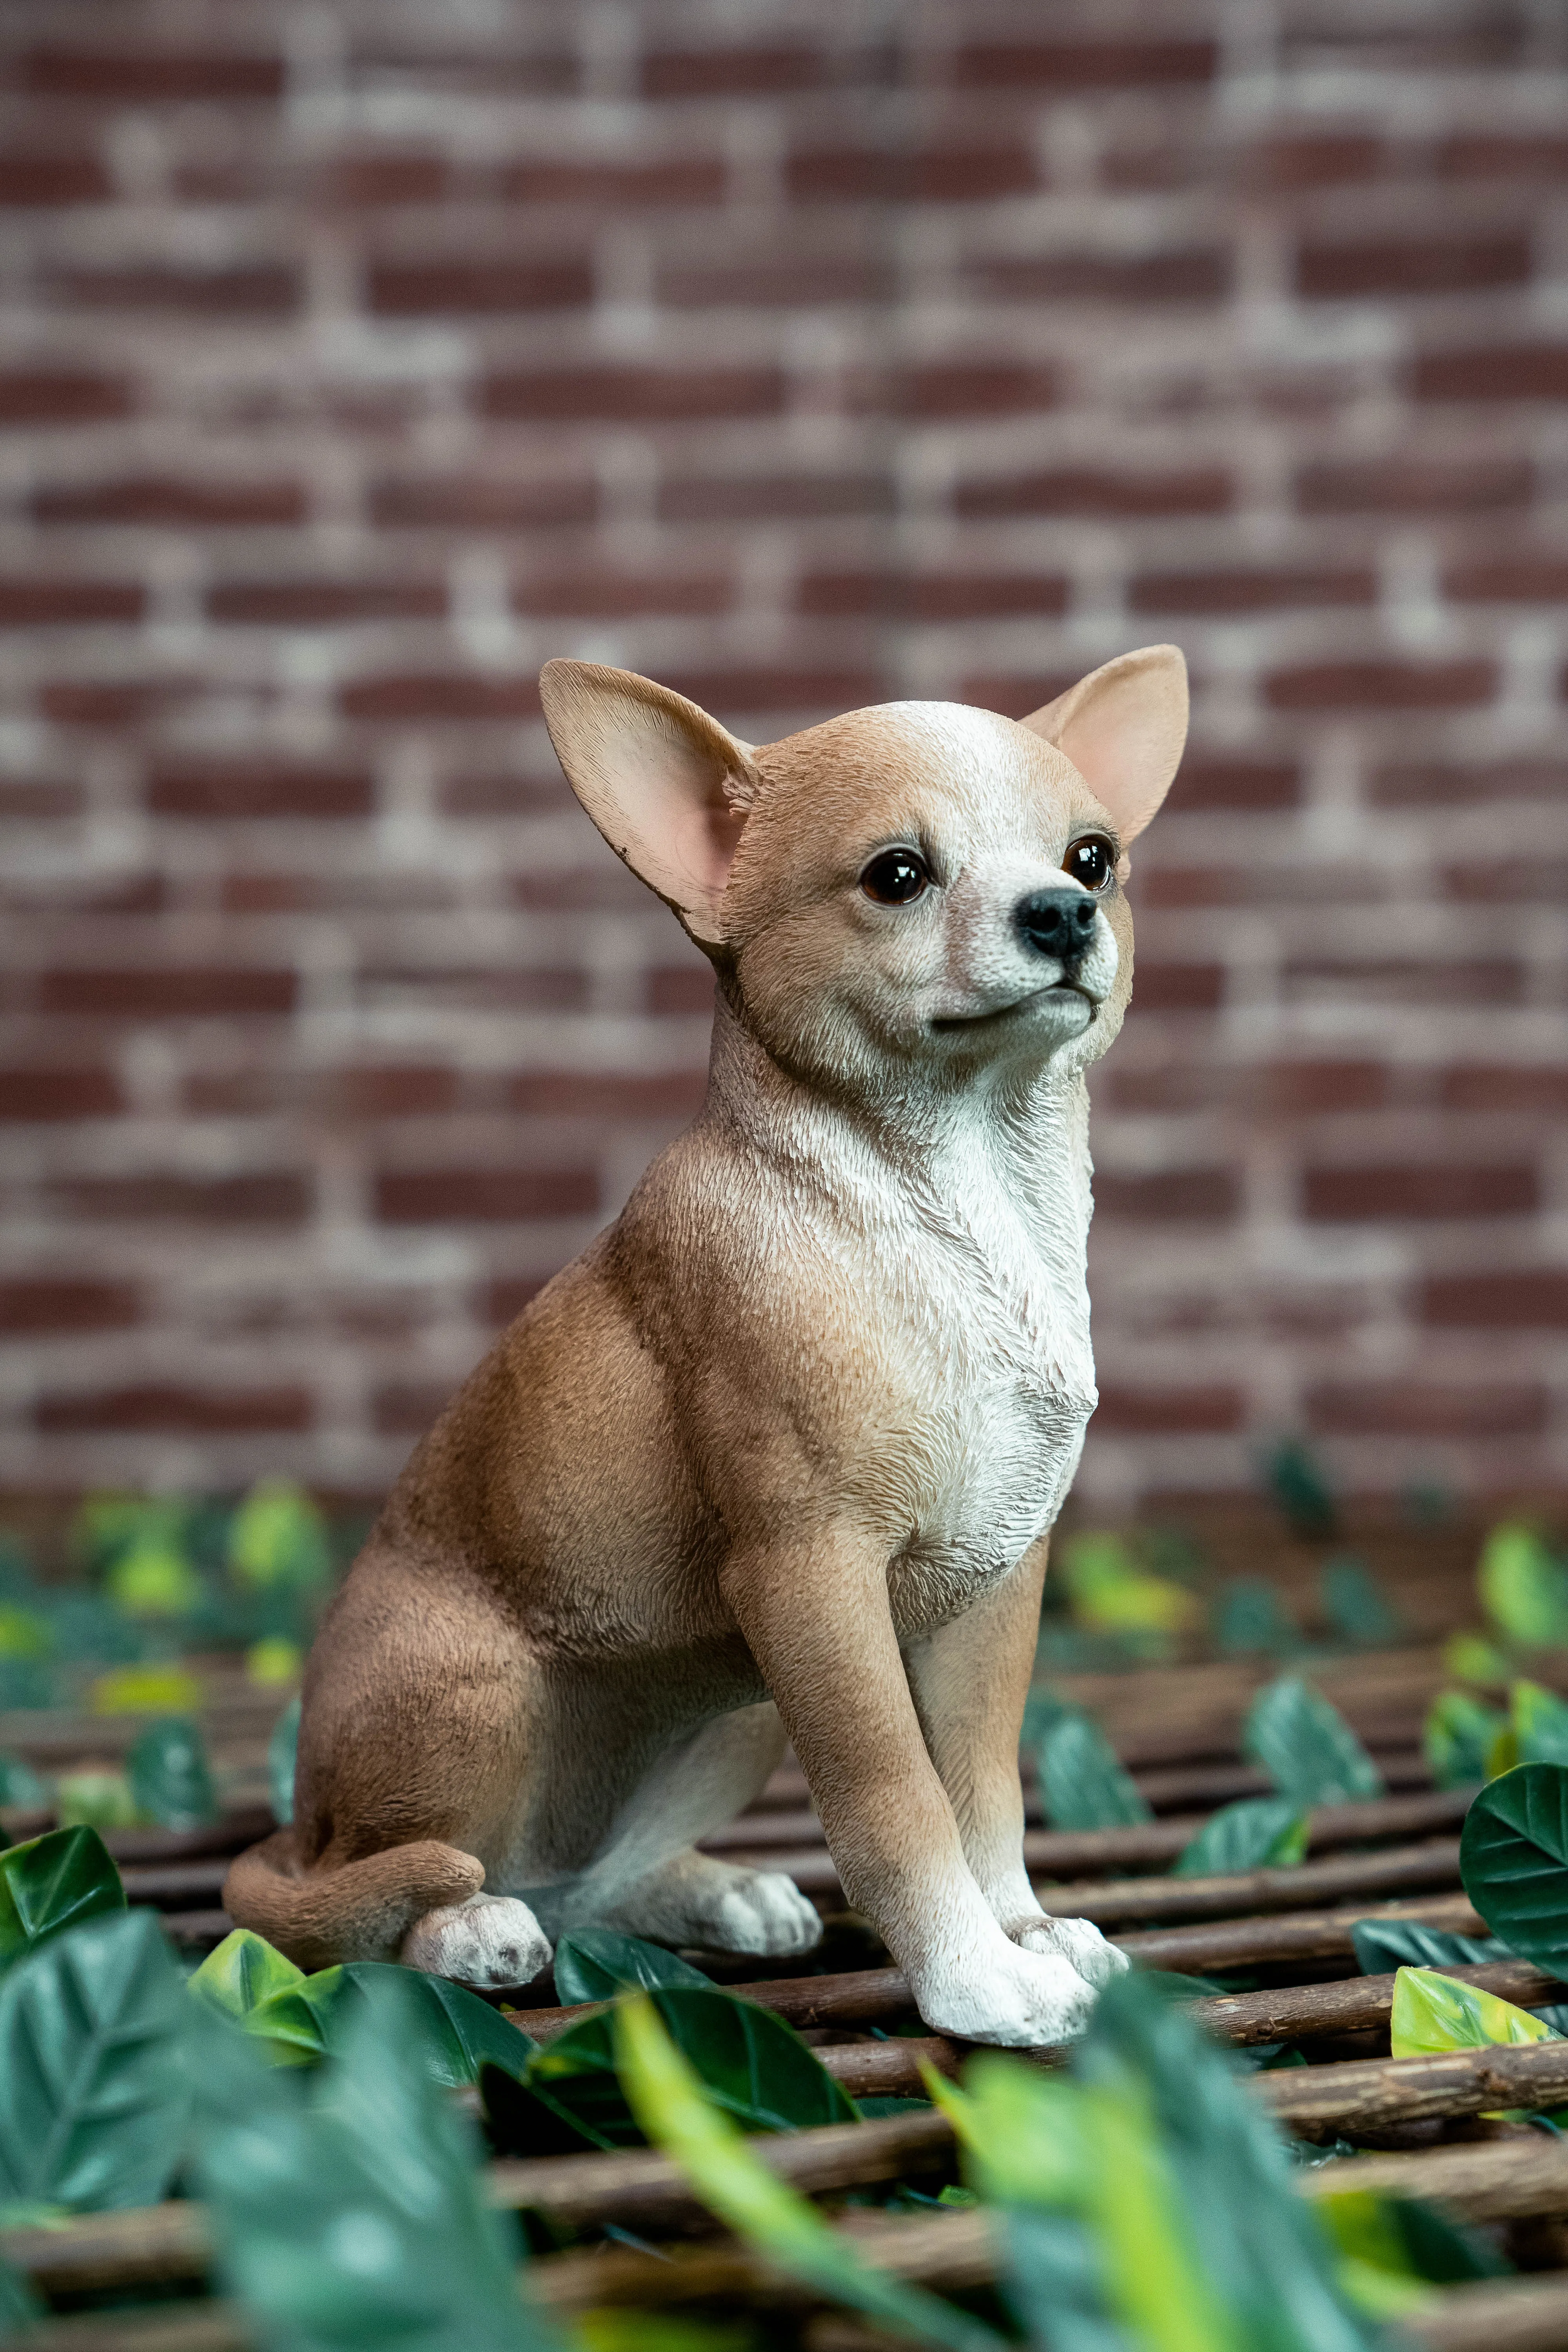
(490, 1941)
(719, 1906)
(1077, 1941)
(1027, 2000)
(763, 1911)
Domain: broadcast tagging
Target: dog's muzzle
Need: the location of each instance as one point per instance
(1057, 923)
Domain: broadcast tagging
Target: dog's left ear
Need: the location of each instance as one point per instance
(1123, 727)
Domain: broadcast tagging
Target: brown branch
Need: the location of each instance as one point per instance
(1368, 2096)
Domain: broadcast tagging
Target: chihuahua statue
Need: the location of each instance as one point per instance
(777, 1458)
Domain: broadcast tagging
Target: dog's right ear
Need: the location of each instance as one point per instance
(667, 786)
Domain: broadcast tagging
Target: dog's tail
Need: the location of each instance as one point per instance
(356, 1911)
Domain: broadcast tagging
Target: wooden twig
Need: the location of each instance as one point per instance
(1494, 2180)
(1368, 2096)
(1305, 2012)
(1225, 1944)
(1519, 2315)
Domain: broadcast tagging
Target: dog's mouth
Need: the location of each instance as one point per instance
(951, 1025)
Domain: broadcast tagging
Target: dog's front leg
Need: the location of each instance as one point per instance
(971, 1678)
(815, 1615)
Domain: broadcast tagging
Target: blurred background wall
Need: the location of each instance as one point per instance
(359, 356)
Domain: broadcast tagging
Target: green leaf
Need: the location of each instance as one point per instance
(19, 2306)
(153, 1578)
(1301, 1489)
(53, 1883)
(1434, 2012)
(1470, 1659)
(1307, 1747)
(94, 2105)
(357, 2220)
(455, 2032)
(145, 1690)
(749, 2061)
(1254, 1833)
(1538, 1720)
(1112, 1593)
(1356, 1604)
(95, 1801)
(1457, 1738)
(281, 1751)
(666, 2098)
(170, 1777)
(595, 1964)
(1383, 1945)
(1082, 1785)
(1523, 1589)
(21, 1789)
(278, 1540)
(1250, 1617)
(1513, 1859)
(25, 1634)
(241, 1973)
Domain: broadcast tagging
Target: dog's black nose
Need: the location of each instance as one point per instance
(1058, 923)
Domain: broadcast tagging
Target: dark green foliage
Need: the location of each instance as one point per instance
(1301, 1490)
(1254, 1834)
(1082, 1785)
(1249, 1618)
(595, 1964)
(281, 1751)
(1307, 1747)
(1356, 1603)
(170, 1776)
(94, 2106)
(449, 2030)
(1383, 1945)
(20, 1786)
(52, 1884)
(1458, 1738)
(1513, 1859)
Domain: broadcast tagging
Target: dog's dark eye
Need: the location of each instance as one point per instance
(1092, 862)
(895, 877)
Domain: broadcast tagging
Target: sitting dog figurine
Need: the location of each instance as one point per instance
(777, 1456)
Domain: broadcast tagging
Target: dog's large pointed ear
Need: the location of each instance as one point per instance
(1123, 727)
(667, 786)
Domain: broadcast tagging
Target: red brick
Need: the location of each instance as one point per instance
(771, 498)
(475, 795)
(65, 604)
(760, 72)
(1072, 65)
(681, 180)
(1413, 485)
(48, 1303)
(1185, 274)
(52, 179)
(605, 595)
(1212, 780)
(323, 603)
(632, 394)
(421, 289)
(1192, 1410)
(487, 501)
(256, 1200)
(54, 1093)
(1249, 592)
(1494, 372)
(220, 789)
(1493, 1087)
(442, 694)
(408, 1408)
(1097, 491)
(768, 691)
(34, 799)
(61, 396)
(164, 500)
(1393, 265)
(1307, 1090)
(146, 76)
(1473, 1408)
(932, 596)
(1523, 579)
(1176, 1196)
(1335, 1195)
(1178, 987)
(1496, 154)
(1426, 785)
(368, 182)
(503, 988)
(680, 987)
(1314, 159)
(1497, 879)
(165, 1409)
(505, 1299)
(256, 292)
(790, 281)
(124, 703)
(1536, 1300)
(583, 1094)
(485, 1195)
(1383, 685)
(1404, 981)
(933, 175)
(955, 388)
(209, 994)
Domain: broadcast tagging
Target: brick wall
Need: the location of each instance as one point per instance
(359, 356)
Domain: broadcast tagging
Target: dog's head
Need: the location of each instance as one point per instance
(916, 887)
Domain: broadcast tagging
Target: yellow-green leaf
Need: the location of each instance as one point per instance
(1470, 1658)
(154, 1580)
(1432, 2012)
(241, 1973)
(145, 1690)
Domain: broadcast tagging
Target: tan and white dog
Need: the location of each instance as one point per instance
(777, 1456)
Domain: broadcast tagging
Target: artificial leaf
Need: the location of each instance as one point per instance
(595, 1964)
(25, 1634)
(1434, 2012)
(1355, 1602)
(153, 1578)
(19, 2306)
(1254, 1833)
(170, 1777)
(456, 2032)
(53, 1883)
(1457, 1738)
(23, 1683)
(1307, 1747)
(1523, 1589)
(273, 1661)
(749, 2062)
(1383, 1945)
(357, 2218)
(281, 1752)
(667, 2100)
(1404, 2235)
(1301, 1489)
(1471, 1659)
(1250, 1616)
(1538, 1721)
(94, 2107)
(278, 1540)
(145, 1690)
(1082, 1785)
(1513, 1859)
(95, 1801)
(242, 1972)
(21, 1790)
(1112, 1593)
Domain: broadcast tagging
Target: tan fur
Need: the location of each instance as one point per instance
(780, 1452)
